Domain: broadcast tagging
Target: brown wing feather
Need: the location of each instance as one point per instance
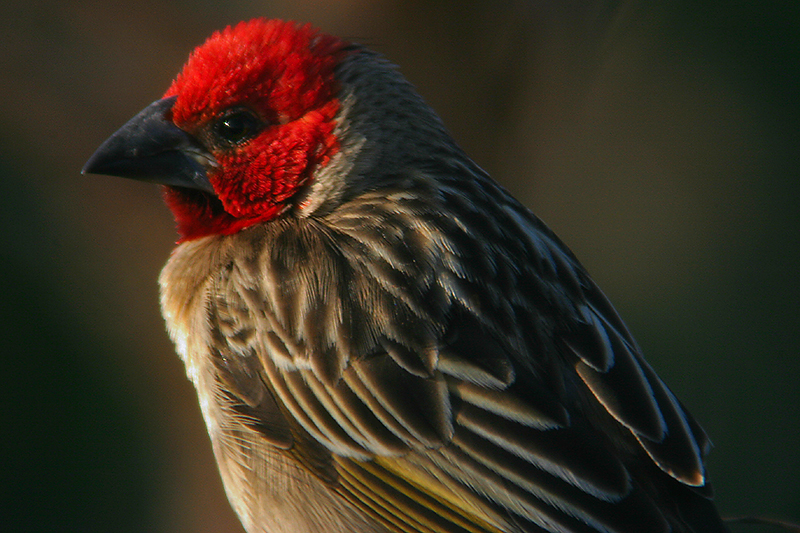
(455, 404)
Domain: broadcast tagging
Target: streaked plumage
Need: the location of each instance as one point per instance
(398, 345)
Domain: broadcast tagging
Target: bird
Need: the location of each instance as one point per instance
(382, 338)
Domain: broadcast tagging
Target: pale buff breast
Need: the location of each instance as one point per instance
(266, 486)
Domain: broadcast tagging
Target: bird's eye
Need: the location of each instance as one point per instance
(236, 126)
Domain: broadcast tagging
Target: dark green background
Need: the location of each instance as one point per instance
(660, 140)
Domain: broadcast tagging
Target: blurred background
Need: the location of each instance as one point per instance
(660, 140)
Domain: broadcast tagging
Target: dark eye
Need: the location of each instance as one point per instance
(236, 126)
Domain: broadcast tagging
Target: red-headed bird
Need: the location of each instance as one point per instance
(383, 339)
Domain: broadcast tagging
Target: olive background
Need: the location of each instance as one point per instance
(660, 140)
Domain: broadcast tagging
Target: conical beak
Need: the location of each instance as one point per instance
(149, 147)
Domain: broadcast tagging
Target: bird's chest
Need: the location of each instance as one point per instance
(266, 485)
(270, 490)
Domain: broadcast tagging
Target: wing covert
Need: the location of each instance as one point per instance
(438, 417)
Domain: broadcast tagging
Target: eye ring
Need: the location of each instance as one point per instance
(235, 126)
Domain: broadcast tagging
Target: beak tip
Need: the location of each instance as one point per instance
(95, 164)
(87, 168)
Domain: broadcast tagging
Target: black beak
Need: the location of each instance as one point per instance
(149, 147)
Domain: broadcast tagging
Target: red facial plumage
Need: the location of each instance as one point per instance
(284, 73)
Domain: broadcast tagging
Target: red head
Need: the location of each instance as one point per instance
(261, 97)
(241, 130)
(253, 127)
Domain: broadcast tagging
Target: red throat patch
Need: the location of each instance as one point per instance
(282, 72)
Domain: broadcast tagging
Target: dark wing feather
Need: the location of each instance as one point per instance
(460, 368)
